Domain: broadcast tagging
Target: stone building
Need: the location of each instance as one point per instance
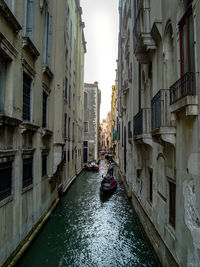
(92, 101)
(42, 50)
(159, 147)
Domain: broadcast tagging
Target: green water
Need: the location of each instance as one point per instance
(88, 230)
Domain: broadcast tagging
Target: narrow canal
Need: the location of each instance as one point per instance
(88, 230)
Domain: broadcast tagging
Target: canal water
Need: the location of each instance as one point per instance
(88, 230)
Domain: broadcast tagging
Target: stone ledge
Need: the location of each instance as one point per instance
(30, 47)
(9, 16)
(10, 121)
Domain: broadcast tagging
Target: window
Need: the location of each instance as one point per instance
(44, 111)
(85, 100)
(29, 23)
(69, 128)
(86, 126)
(65, 126)
(70, 33)
(68, 155)
(172, 201)
(70, 95)
(2, 84)
(64, 157)
(73, 126)
(5, 179)
(66, 84)
(150, 186)
(48, 37)
(44, 165)
(85, 143)
(26, 97)
(27, 172)
(186, 31)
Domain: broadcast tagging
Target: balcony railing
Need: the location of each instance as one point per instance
(159, 107)
(142, 122)
(185, 86)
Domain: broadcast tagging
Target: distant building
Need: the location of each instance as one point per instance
(92, 101)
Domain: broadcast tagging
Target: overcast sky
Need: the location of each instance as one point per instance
(101, 35)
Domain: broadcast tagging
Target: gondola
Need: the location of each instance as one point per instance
(107, 187)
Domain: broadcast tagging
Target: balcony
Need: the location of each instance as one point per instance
(183, 94)
(142, 127)
(142, 39)
(125, 87)
(162, 128)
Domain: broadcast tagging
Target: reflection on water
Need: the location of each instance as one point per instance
(87, 229)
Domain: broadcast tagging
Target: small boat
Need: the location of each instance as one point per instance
(92, 166)
(108, 185)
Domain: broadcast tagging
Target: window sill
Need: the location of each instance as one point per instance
(46, 70)
(30, 47)
(7, 50)
(46, 132)
(28, 126)
(6, 200)
(27, 188)
(10, 121)
(9, 17)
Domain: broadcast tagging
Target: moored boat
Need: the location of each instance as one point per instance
(92, 166)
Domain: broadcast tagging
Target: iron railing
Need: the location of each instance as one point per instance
(142, 122)
(185, 86)
(159, 109)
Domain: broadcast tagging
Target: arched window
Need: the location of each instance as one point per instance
(168, 54)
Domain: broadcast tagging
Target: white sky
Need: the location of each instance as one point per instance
(101, 34)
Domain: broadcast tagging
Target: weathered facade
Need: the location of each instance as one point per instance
(158, 75)
(42, 50)
(92, 101)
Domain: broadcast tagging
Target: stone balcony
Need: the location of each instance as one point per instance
(183, 95)
(143, 41)
(162, 129)
(142, 127)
